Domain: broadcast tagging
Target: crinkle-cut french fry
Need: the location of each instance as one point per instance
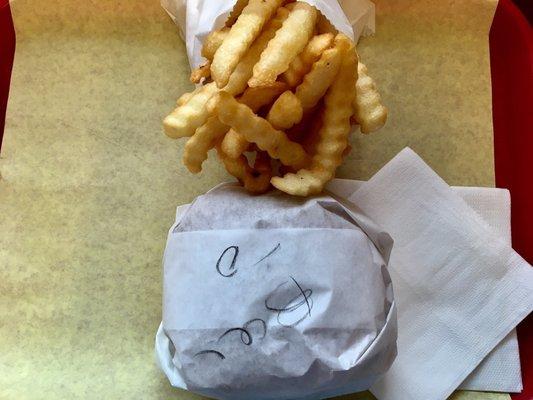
(333, 136)
(236, 12)
(304, 61)
(255, 98)
(238, 81)
(368, 110)
(185, 97)
(257, 130)
(203, 71)
(258, 181)
(302, 129)
(286, 111)
(207, 135)
(324, 26)
(255, 180)
(204, 139)
(347, 151)
(320, 78)
(240, 37)
(302, 183)
(312, 137)
(234, 144)
(289, 41)
(184, 120)
(212, 42)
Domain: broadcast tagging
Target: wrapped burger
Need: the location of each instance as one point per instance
(275, 297)
(280, 87)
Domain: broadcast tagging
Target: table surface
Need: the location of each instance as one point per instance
(90, 183)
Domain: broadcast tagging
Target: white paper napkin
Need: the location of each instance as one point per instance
(500, 370)
(461, 289)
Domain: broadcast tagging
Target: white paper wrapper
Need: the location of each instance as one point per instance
(274, 297)
(196, 18)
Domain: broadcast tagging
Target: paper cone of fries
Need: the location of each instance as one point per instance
(280, 88)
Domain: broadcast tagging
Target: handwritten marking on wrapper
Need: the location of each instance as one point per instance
(232, 264)
(246, 334)
(278, 246)
(246, 338)
(216, 353)
(282, 301)
(254, 322)
(289, 308)
(220, 265)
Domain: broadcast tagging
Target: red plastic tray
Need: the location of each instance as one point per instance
(7, 51)
(511, 59)
(511, 50)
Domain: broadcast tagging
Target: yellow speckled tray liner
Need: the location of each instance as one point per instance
(90, 183)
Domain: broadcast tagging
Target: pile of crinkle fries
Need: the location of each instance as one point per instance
(280, 90)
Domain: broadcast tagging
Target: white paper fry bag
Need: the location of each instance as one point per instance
(197, 18)
(274, 297)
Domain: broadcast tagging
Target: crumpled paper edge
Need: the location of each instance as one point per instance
(354, 21)
(165, 362)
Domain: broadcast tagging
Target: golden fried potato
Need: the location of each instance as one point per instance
(204, 139)
(238, 81)
(286, 111)
(278, 84)
(289, 41)
(185, 97)
(301, 130)
(203, 71)
(236, 12)
(313, 128)
(184, 120)
(320, 78)
(256, 180)
(234, 144)
(303, 63)
(368, 110)
(324, 26)
(212, 42)
(333, 135)
(240, 37)
(255, 98)
(257, 130)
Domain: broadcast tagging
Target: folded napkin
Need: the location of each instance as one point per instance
(500, 370)
(461, 288)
